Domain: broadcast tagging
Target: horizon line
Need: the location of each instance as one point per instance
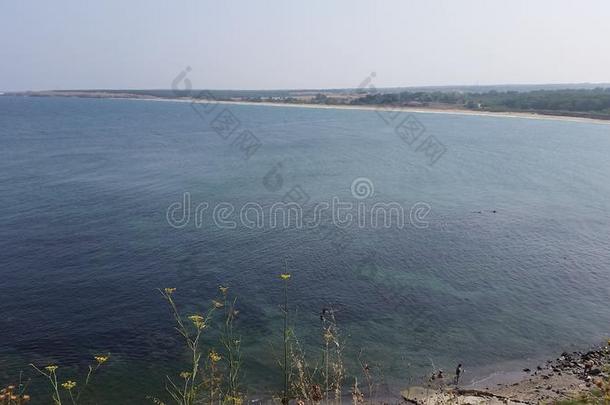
(601, 84)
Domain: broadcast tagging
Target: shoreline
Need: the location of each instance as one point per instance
(420, 110)
(569, 376)
(376, 107)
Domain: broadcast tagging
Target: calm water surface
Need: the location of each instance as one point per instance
(84, 241)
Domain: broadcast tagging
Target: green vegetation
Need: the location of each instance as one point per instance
(578, 102)
(593, 103)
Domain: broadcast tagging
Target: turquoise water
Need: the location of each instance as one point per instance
(85, 186)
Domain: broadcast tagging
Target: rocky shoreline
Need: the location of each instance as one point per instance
(570, 376)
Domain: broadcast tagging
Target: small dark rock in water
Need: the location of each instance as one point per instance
(527, 370)
(538, 368)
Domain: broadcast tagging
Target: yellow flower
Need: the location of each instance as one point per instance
(217, 304)
(234, 400)
(169, 291)
(186, 375)
(215, 357)
(285, 276)
(223, 289)
(198, 321)
(101, 359)
(68, 385)
(51, 368)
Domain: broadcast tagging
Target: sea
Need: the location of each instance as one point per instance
(423, 240)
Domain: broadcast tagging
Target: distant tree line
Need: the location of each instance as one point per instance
(581, 102)
(570, 100)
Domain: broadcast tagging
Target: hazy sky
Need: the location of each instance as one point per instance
(250, 44)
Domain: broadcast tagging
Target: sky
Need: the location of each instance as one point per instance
(288, 44)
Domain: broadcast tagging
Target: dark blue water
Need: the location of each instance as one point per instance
(84, 241)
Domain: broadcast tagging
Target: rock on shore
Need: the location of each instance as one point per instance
(566, 377)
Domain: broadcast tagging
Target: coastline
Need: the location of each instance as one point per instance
(568, 377)
(376, 107)
(420, 110)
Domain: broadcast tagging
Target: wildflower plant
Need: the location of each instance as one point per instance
(189, 389)
(371, 373)
(213, 376)
(286, 367)
(304, 376)
(70, 388)
(334, 370)
(232, 347)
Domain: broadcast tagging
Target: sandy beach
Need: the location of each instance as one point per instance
(387, 109)
(422, 110)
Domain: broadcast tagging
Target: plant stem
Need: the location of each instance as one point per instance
(285, 342)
